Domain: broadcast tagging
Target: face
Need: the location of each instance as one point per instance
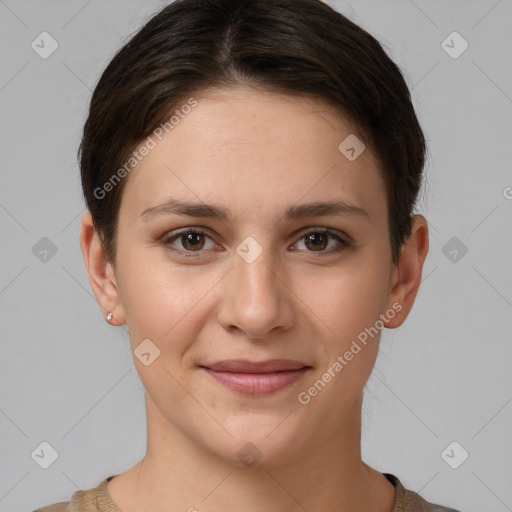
(254, 272)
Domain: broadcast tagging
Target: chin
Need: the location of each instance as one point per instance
(260, 441)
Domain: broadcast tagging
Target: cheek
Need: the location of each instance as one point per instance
(351, 340)
(162, 301)
(350, 303)
(349, 300)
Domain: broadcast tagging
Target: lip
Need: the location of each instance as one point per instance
(256, 377)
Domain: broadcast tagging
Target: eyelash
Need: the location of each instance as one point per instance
(169, 237)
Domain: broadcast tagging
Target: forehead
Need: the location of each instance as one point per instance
(248, 147)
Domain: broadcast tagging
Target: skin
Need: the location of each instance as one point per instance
(255, 153)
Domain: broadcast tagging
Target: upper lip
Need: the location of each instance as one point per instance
(246, 366)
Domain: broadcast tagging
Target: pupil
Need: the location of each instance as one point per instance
(192, 239)
(315, 238)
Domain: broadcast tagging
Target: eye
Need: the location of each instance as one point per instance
(318, 240)
(191, 240)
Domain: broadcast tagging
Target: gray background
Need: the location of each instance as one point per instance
(68, 378)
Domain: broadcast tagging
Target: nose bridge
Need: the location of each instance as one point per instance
(257, 300)
(254, 271)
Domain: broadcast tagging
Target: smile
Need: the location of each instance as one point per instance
(256, 378)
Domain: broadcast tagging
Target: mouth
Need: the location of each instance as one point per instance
(256, 377)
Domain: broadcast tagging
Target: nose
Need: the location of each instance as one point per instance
(257, 300)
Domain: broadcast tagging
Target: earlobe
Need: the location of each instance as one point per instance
(100, 272)
(407, 275)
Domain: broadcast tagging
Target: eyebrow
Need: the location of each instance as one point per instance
(192, 209)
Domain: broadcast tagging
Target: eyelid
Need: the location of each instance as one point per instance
(344, 241)
(324, 229)
(174, 234)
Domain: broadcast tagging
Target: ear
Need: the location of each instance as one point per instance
(101, 274)
(406, 277)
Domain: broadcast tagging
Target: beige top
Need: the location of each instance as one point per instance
(99, 500)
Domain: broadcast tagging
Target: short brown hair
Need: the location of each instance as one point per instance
(299, 47)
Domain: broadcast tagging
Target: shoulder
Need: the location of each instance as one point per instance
(96, 499)
(410, 501)
(56, 507)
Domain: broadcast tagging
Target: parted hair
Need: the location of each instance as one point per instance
(293, 47)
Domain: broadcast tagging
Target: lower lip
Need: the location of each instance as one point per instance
(257, 383)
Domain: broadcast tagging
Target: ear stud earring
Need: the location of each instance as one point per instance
(110, 316)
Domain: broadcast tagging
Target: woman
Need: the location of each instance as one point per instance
(250, 169)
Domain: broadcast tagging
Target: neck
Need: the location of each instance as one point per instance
(330, 477)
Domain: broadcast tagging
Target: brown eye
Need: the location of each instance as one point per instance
(317, 241)
(191, 241)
